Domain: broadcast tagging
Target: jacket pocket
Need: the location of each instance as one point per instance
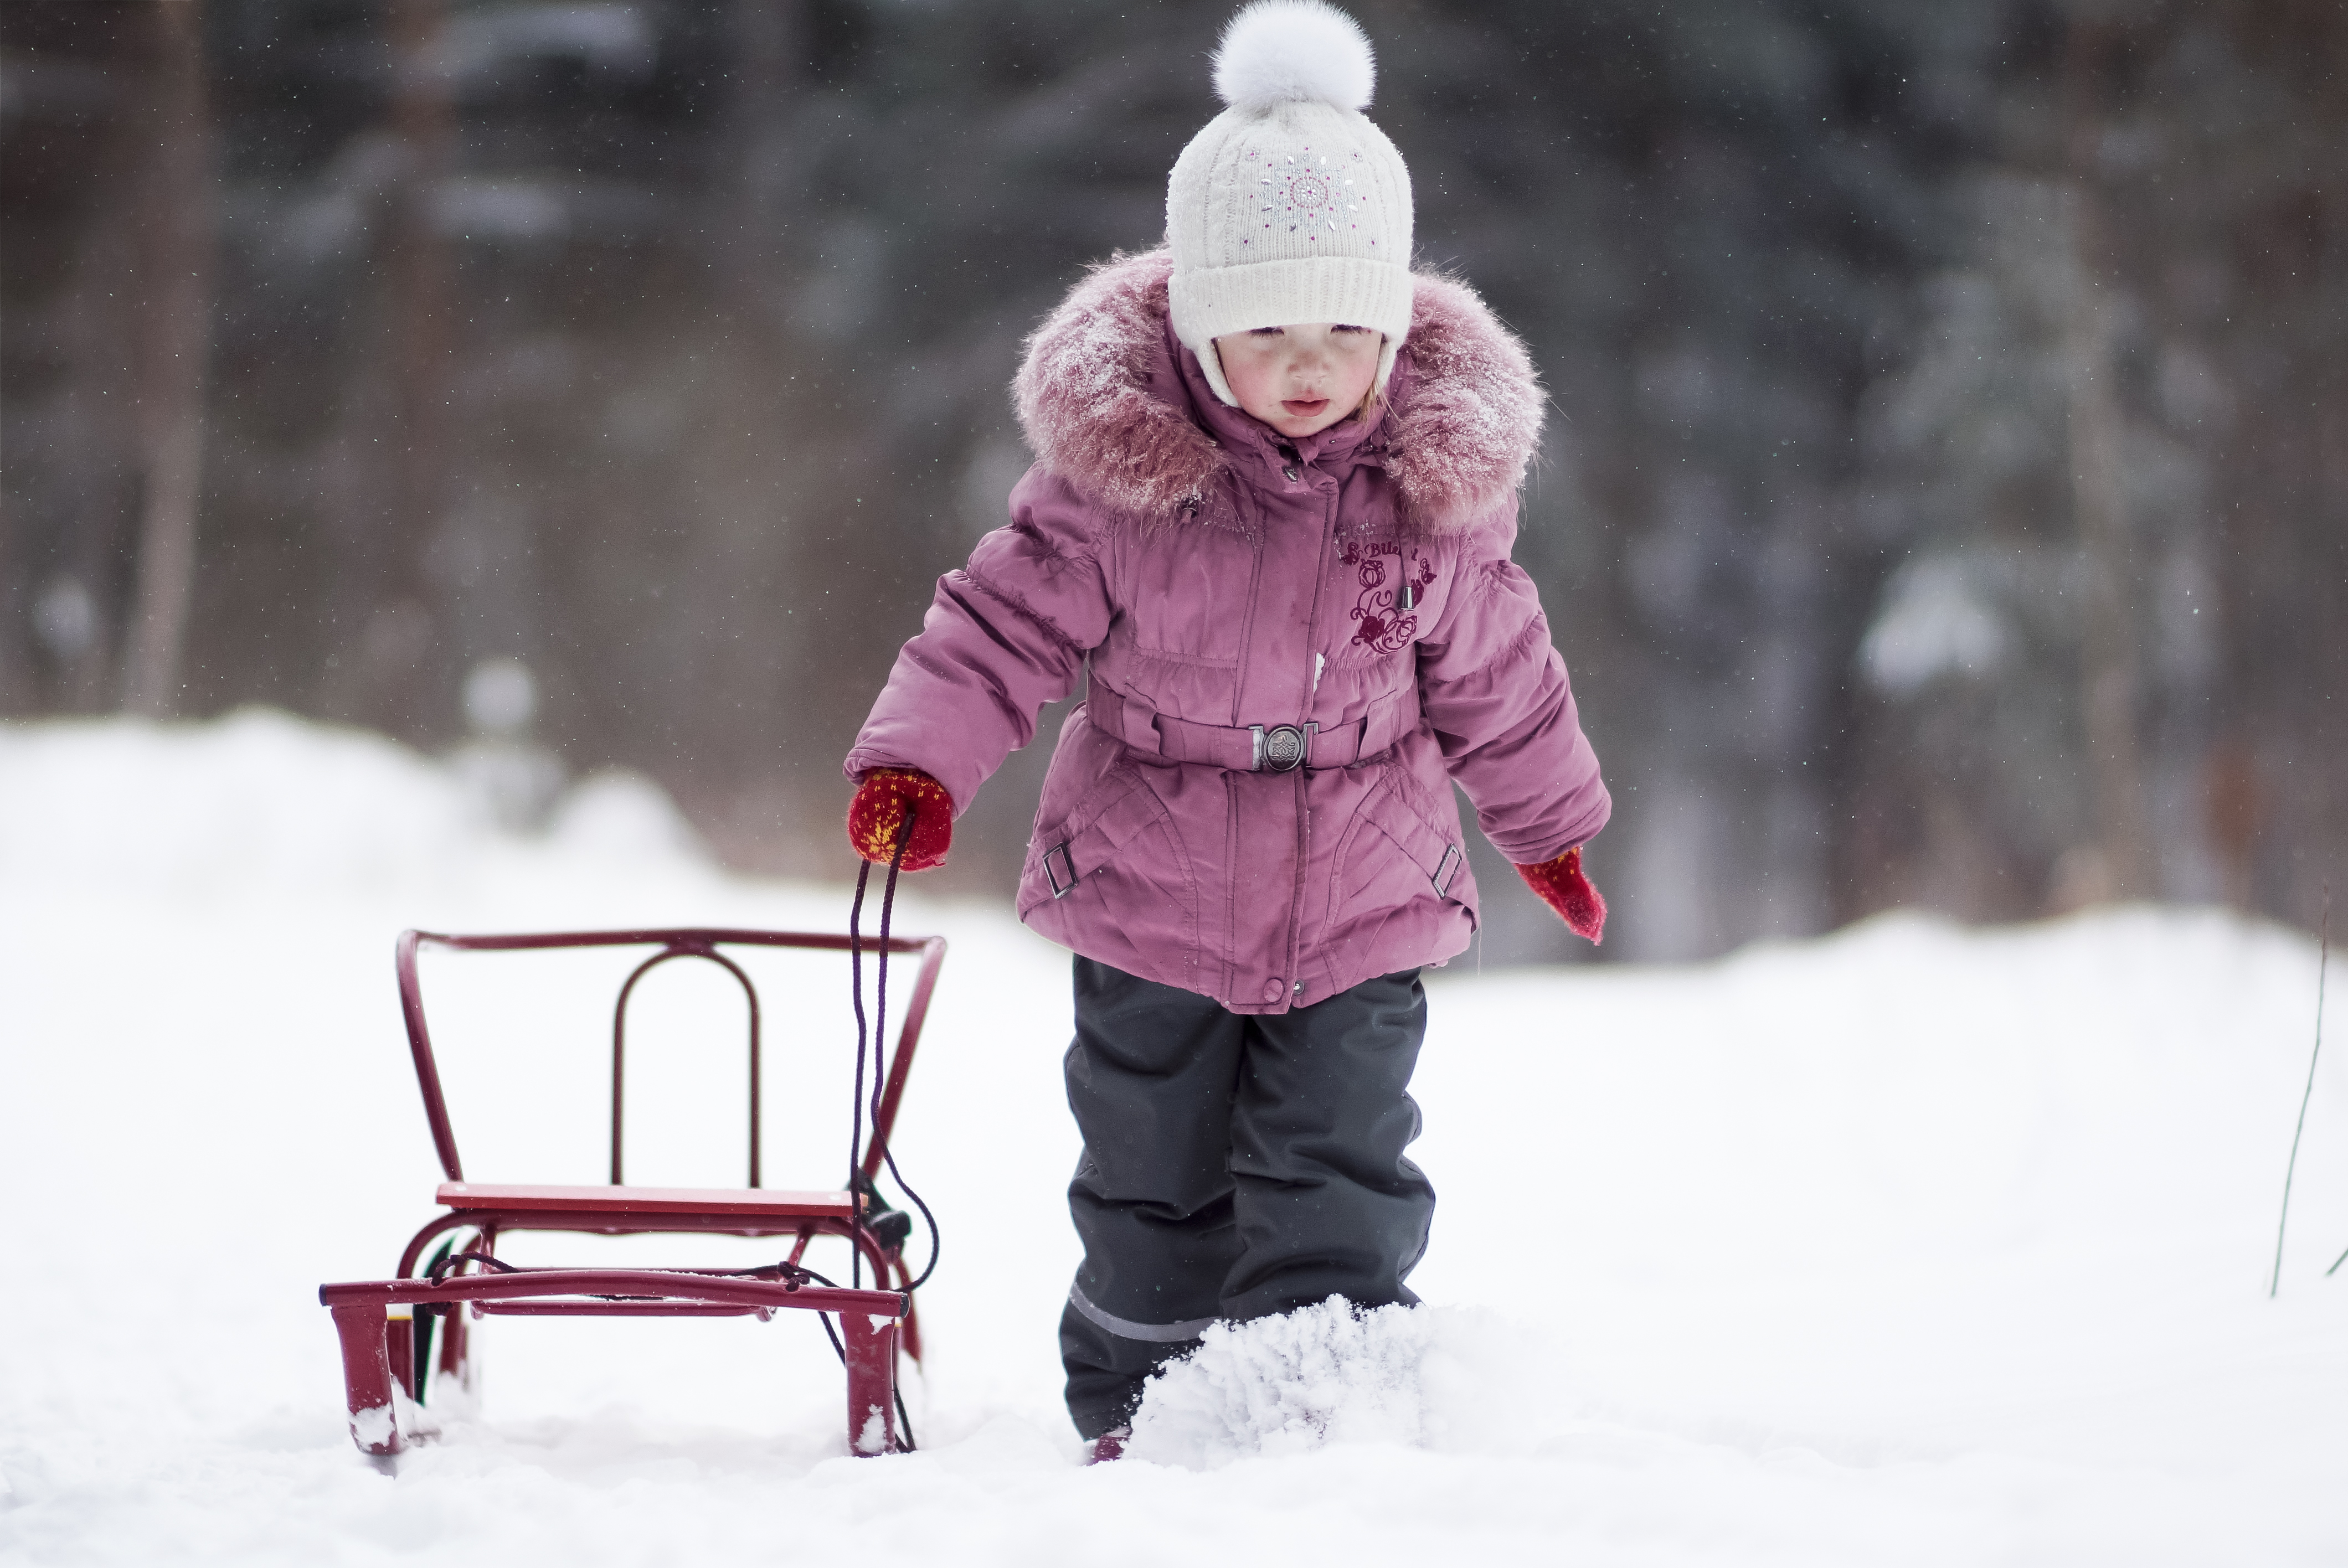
(1114, 881)
(1394, 853)
(1089, 839)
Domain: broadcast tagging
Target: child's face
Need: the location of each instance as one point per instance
(1301, 380)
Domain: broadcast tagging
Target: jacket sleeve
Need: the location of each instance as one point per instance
(1495, 691)
(1007, 634)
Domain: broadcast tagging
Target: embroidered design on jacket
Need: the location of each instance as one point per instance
(1384, 614)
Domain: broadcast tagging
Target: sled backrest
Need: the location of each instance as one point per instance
(693, 942)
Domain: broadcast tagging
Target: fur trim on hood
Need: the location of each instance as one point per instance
(1103, 406)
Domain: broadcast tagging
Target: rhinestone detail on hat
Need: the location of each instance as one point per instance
(1309, 198)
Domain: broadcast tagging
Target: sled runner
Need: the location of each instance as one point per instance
(387, 1328)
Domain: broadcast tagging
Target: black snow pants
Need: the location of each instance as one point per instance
(1235, 1166)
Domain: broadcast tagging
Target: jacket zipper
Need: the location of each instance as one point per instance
(1231, 838)
(1304, 807)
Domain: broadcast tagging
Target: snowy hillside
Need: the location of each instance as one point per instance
(1910, 1245)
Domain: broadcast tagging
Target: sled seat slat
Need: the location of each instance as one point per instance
(614, 1309)
(608, 1200)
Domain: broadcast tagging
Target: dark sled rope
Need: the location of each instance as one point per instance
(879, 1036)
(904, 1419)
(856, 1092)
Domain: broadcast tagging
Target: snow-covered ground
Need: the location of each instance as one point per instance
(1913, 1244)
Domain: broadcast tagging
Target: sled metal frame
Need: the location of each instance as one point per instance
(382, 1323)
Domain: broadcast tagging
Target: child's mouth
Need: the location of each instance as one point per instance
(1304, 407)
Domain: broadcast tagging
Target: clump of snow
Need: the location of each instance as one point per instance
(1452, 1379)
(1326, 1373)
(500, 697)
(616, 38)
(1936, 621)
(372, 1428)
(626, 816)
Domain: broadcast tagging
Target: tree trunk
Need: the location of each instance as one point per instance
(2099, 501)
(407, 646)
(176, 263)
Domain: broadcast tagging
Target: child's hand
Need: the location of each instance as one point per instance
(884, 798)
(1564, 887)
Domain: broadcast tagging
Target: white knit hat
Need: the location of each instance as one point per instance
(1290, 206)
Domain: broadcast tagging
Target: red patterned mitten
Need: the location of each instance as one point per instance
(884, 796)
(1564, 887)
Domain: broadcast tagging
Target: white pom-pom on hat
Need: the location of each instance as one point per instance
(1294, 51)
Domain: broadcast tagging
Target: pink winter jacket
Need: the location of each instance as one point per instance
(1238, 598)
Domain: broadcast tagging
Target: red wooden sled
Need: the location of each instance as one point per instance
(380, 1340)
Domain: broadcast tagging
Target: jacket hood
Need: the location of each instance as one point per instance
(1103, 403)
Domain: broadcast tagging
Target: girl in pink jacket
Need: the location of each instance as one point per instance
(1267, 528)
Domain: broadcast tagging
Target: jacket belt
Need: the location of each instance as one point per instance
(1253, 748)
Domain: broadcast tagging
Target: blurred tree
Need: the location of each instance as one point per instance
(408, 659)
(2119, 286)
(177, 199)
(2110, 635)
(75, 143)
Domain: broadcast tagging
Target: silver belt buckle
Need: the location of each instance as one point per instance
(1281, 749)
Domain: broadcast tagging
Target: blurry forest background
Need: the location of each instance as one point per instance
(1945, 500)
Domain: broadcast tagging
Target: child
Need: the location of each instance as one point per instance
(1270, 522)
